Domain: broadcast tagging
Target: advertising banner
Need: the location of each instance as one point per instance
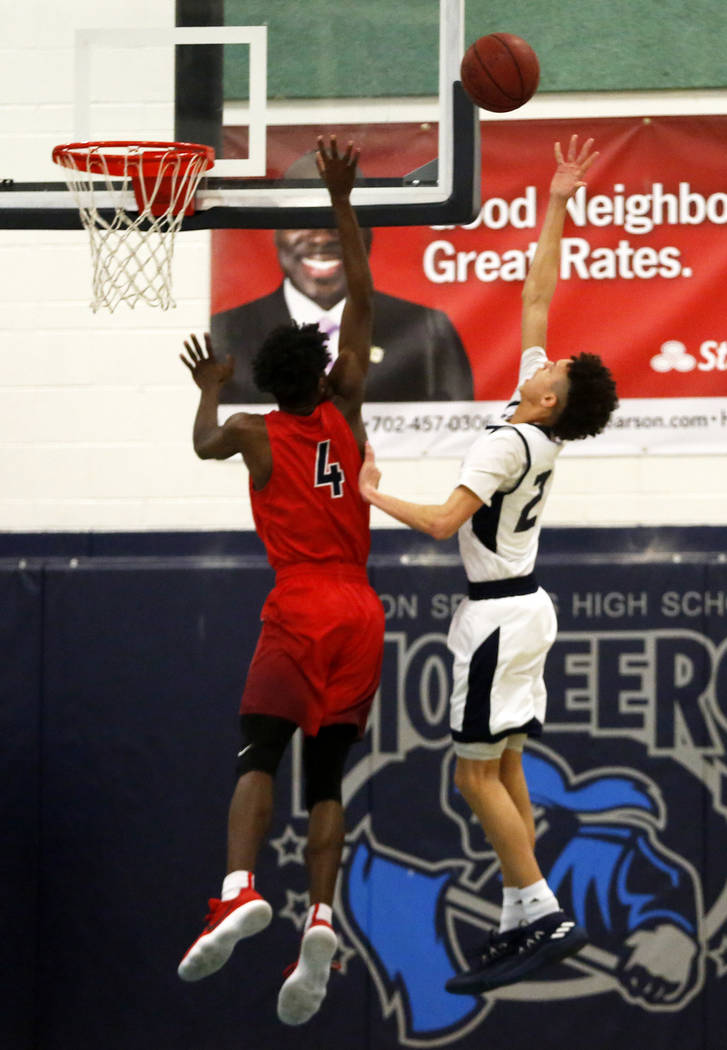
(643, 257)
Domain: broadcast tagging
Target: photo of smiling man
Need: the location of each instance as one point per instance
(416, 353)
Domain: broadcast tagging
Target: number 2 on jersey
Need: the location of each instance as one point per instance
(328, 473)
(525, 522)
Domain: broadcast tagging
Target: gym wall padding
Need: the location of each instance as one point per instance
(21, 691)
(121, 675)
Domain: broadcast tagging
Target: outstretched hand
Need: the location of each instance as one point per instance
(369, 475)
(571, 169)
(206, 370)
(338, 172)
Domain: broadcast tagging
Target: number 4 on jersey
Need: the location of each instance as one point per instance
(328, 473)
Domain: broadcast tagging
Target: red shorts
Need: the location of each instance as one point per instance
(318, 658)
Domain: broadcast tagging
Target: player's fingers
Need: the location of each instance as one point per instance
(320, 156)
(333, 146)
(585, 150)
(558, 153)
(208, 345)
(184, 361)
(354, 157)
(572, 148)
(587, 162)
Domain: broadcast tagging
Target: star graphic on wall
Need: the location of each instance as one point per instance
(296, 908)
(289, 847)
(345, 953)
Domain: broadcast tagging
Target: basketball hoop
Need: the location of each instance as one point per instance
(132, 250)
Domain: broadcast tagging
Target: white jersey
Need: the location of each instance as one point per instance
(510, 468)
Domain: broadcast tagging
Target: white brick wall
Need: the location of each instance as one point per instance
(96, 410)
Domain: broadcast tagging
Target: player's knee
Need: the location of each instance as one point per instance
(473, 777)
(324, 757)
(258, 758)
(322, 787)
(462, 779)
(264, 740)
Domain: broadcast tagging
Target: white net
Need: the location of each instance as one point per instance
(132, 199)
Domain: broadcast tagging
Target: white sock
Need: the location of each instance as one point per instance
(538, 900)
(321, 912)
(513, 912)
(236, 881)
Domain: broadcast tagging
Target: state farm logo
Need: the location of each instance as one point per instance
(673, 356)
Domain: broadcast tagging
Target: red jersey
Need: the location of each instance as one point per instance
(311, 509)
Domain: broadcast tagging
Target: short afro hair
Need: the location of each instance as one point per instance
(590, 402)
(290, 362)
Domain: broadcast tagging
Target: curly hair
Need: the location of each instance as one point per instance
(290, 362)
(591, 399)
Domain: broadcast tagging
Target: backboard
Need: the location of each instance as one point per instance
(258, 82)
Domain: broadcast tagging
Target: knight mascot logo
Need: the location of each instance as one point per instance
(628, 788)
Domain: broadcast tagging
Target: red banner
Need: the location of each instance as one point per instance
(643, 261)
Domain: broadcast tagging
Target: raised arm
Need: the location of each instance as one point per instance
(243, 432)
(543, 275)
(210, 440)
(348, 375)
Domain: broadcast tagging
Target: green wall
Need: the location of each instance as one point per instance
(358, 48)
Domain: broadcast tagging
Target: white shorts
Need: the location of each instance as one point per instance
(499, 647)
(485, 752)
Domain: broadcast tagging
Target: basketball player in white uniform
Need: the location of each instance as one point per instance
(501, 633)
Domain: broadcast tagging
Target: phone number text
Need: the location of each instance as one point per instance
(428, 423)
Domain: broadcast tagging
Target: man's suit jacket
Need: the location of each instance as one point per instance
(416, 352)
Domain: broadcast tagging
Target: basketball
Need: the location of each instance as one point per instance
(500, 72)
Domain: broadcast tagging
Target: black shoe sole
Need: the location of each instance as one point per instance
(510, 971)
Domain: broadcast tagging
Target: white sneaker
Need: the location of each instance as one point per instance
(227, 923)
(305, 989)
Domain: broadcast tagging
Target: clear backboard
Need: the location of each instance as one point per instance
(258, 82)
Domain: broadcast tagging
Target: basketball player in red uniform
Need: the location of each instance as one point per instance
(318, 659)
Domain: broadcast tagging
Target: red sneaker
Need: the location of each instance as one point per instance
(226, 924)
(305, 989)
